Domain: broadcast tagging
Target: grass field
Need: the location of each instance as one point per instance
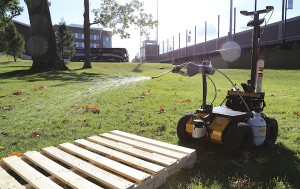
(44, 109)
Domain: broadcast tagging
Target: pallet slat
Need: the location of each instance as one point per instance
(28, 173)
(106, 178)
(8, 182)
(122, 157)
(157, 158)
(126, 171)
(144, 146)
(63, 174)
(154, 142)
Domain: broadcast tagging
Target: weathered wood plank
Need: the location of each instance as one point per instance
(116, 167)
(106, 178)
(63, 174)
(153, 157)
(8, 182)
(154, 142)
(122, 157)
(145, 146)
(28, 173)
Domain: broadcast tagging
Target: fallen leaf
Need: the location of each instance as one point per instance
(85, 123)
(35, 134)
(140, 122)
(296, 114)
(88, 107)
(160, 129)
(142, 96)
(2, 96)
(141, 131)
(161, 109)
(8, 108)
(17, 92)
(181, 101)
(76, 106)
(65, 121)
(19, 154)
(4, 133)
(95, 110)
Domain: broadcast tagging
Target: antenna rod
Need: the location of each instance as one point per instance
(157, 20)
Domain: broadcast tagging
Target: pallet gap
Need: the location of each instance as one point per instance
(14, 174)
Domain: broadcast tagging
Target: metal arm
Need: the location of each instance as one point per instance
(205, 69)
(268, 9)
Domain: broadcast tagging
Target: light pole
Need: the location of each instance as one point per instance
(157, 20)
(230, 23)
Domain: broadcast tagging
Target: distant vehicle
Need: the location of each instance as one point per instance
(103, 55)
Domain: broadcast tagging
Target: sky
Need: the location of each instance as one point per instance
(174, 16)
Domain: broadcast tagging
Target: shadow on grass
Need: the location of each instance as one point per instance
(32, 76)
(137, 68)
(264, 168)
(6, 62)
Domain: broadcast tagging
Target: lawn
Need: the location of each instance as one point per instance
(44, 109)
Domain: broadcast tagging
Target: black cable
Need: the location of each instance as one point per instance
(266, 22)
(238, 92)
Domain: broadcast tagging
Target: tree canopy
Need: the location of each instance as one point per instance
(13, 41)
(8, 10)
(64, 41)
(119, 17)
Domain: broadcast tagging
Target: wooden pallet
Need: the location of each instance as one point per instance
(110, 160)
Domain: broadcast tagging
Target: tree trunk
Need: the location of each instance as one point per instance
(42, 44)
(86, 30)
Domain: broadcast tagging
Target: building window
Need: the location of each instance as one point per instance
(95, 45)
(79, 36)
(79, 45)
(107, 42)
(94, 37)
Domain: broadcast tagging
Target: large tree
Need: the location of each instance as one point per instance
(86, 30)
(42, 44)
(117, 17)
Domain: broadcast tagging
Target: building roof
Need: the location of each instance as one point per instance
(81, 26)
(21, 23)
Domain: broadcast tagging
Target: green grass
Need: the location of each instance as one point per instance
(52, 105)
